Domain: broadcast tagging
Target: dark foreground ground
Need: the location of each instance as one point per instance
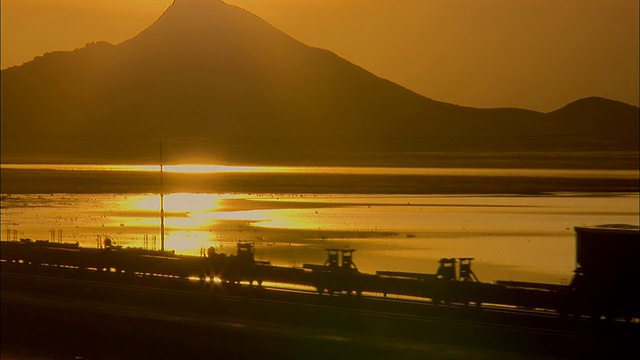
(68, 317)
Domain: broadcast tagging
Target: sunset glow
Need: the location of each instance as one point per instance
(195, 169)
(295, 179)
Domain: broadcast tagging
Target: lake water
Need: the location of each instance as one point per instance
(527, 238)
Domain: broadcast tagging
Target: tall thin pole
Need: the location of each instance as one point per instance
(161, 197)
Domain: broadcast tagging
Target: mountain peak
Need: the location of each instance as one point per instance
(200, 24)
(191, 15)
(196, 9)
(596, 104)
(191, 3)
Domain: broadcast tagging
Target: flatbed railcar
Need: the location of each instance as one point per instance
(605, 284)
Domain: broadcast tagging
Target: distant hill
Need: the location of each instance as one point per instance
(220, 84)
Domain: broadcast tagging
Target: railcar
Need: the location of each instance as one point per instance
(606, 280)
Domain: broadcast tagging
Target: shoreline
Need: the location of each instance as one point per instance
(26, 181)
(504, 159)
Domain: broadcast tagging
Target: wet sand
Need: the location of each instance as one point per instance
(527, 238)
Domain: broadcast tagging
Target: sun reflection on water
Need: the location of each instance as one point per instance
(177, 202)
(190, 242)
(187, 226)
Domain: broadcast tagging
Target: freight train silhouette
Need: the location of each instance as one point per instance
(605, 283)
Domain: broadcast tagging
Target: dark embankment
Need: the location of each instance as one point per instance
(71, 318)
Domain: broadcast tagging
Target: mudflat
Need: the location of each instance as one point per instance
(21, 181)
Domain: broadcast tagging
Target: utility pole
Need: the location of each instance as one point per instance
(161, 196)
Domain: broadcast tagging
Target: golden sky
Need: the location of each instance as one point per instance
(535, 54)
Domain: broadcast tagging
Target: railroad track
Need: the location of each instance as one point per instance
(264, 294)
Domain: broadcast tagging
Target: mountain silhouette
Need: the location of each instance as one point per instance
(219, 81)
